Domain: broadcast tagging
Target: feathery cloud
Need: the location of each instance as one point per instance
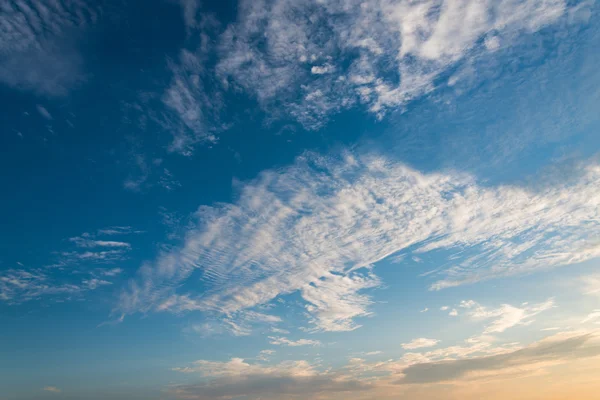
(319, 226)
(338, 53)
(37, 46)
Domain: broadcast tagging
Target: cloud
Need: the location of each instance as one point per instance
(453, 313)
(52, 389)
(591, 284)
(507, 316)
(419, 343)
(593, 316)
(37, 46)
(86, 242)
(112, 272)
(559, 348)
(424, 310)
(20, 285)
(237, 378)
(95, 283)
(118, 230)
(43, 112)
(311, 58)
(282, 341)
(319, 226)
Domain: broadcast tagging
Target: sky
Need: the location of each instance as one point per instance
(299, 199)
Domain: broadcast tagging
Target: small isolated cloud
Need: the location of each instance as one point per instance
(444, 308)
(95, 283)
(424, 310)
(373, 353)
(52, 389)
(112, 272)
(419, 343)
(507, 316)
(118, 230)
(592, 317)
(43, 112)
(453, 313)
(323, 69)
(90, 243)
(282, 341)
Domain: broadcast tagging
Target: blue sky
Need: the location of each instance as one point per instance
(299, 199)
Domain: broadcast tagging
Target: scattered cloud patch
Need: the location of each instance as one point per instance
(43, 112)
(507, 316)
(282, 341)
(592, 317)
(419, 343)
(38, 47)
(52, 389)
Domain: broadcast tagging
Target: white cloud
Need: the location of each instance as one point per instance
(282, 341)
(424, 310)
(507, 316)
(593, 316)
(238, 367)
(117, 230)
(37, 46)
(320, 70)
(419, 343)
(52, 389)
(18, 286)
(341, 52)
(453, 313)
(318, 226)
(86, 242)
(95, 283)
(112, 272)
(591, 285)
(444, 308)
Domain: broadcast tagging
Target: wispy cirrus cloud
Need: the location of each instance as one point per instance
(20, 285)
(38, 50)
(86, 242)
(283, 341)
(506, 316)
(318, 227)
(419, 343)
(315, 58)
